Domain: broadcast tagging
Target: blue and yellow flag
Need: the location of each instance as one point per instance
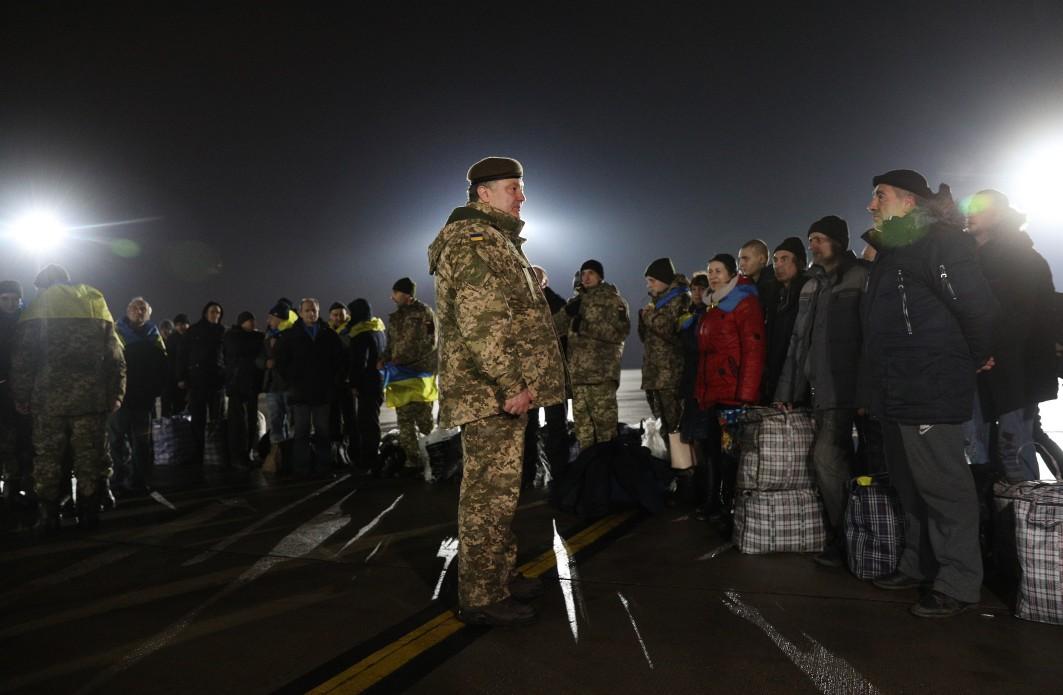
(403, 386)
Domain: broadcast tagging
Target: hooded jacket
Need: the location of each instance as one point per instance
(731, 346)
(660, 323)
(595, 335)
(497, 334)
(928, 317)
(145, 357)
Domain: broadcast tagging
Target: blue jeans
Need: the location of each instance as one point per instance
(277, 407)
(1015, 445)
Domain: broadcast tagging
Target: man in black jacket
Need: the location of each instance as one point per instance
(243, 381)
(174, 398)
(201, 371)
(368, 338)
(129, 428)
(789, 262)
(311, 359)
(1023, 339)
(928, 320)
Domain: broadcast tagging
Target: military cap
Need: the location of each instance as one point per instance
(494, 169)
(405, 285)
(911, 181)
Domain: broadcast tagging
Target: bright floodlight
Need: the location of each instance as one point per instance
(39, 230)
(1037, 188)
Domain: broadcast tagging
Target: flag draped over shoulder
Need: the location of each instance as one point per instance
(403, 385)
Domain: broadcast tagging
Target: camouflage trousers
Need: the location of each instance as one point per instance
(595, 413)
(413, 417)
(666, 405)
(80, 440)
(490, 487)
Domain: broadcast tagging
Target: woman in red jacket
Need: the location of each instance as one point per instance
(730, 365)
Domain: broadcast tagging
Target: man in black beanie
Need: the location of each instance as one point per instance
(411, 348)
(16, 446)
(788, 261)
(660, 322)
(928, 317)
(824, 357)
(368, 341)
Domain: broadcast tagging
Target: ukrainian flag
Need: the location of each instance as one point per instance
(403, 385)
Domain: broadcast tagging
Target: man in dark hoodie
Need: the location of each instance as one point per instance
(202, 372)
(928, 319)
(129, 428)
(368, 339)
(243, 381)
(16, 445)
(1023, 339)
(789, 262)
(310, 357)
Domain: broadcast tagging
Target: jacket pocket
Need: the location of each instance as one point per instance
(912, 381)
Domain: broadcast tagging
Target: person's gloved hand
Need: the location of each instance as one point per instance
(572, 308)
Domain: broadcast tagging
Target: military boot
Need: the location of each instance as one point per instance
(89, 511)
(47, 519)
(505, 613)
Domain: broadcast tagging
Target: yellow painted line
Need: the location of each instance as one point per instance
(388, 659)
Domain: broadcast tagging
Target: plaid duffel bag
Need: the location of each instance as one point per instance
(1038, 509)
(173, 442)
(775, 448)
(778, 521)
(874, 528)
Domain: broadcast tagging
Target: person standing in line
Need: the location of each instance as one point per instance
(243, 381)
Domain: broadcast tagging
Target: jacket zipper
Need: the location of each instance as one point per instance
(946, 284)
(904, 300)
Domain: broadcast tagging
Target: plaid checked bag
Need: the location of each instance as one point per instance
(172, 440)
(778, 521)
(1039, 545)
(874, 528)
(775, 448)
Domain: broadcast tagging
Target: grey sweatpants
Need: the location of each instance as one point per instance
(928, 468)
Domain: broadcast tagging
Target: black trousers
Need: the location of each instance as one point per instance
(342, 426)
(204, 404)
(241, 426)
(364, 446)
(555, 444)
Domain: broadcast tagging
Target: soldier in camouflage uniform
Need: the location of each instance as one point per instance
(499, 357)
(596, 322)
(659, 325)
(69, 373)
(411, 344)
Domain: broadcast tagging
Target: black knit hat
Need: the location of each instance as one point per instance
(795, 246)
(907, 179)
(281, 309)
(337, 305)
(833, 228)
(51, 275)
(594, 265)
(728, 261)
(495, 169)
(244, 316)
(11, 287)
(405, 285)
(181, 318)
(360, 310)
(661, 269)
(700, 279)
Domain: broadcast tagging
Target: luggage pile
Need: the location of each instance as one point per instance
(874, 528)
(777, 508)
(1029, 534)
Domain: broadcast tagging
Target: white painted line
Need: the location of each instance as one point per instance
(716, 552)
(638, 636)
(448, 550)
(223, 544)
(370, 555)
(157, 496)
(831, 674)
(564, 574)
(369, 527)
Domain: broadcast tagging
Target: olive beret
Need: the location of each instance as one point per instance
(494, 169)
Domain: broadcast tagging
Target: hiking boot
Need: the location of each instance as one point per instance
(525, 588)
(47, 519)
(898, 581)
(832, 556)
(504, 613)
(935, 604)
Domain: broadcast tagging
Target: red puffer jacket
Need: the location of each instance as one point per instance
(731, 349)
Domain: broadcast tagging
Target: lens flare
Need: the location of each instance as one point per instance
(39, 230)
(1038, 183)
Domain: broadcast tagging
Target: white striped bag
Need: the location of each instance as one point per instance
(1039, 546)
(778, 521)
(775, 448)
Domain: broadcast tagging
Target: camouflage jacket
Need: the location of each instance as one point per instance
(412, 337)
(497, 335)
(659, 325)
(67, 359)
(596, 334)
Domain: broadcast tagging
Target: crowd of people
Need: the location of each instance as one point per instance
(936, 335)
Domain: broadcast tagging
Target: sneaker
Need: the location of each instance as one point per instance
(832, 556)
(898, 581)
(935, 604)
(525, 588)
(504, 613)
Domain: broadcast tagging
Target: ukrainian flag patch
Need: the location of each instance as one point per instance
(475, 236)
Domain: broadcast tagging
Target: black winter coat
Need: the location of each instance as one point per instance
(243, 378)
(145, 359)
(779, 327)
(8, 322)
(366, 349)
(201, 365)
(311, 367)
(1023, 337)
(928, 319)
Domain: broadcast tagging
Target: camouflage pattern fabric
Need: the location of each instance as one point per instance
(496, 331)
(85, 436)
(412, 337)
(666, 405)
(596, 335)
(595, 412)
(490, 487)
(662, 357)
(414, 417)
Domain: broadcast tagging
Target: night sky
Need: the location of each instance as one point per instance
(294, 152)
